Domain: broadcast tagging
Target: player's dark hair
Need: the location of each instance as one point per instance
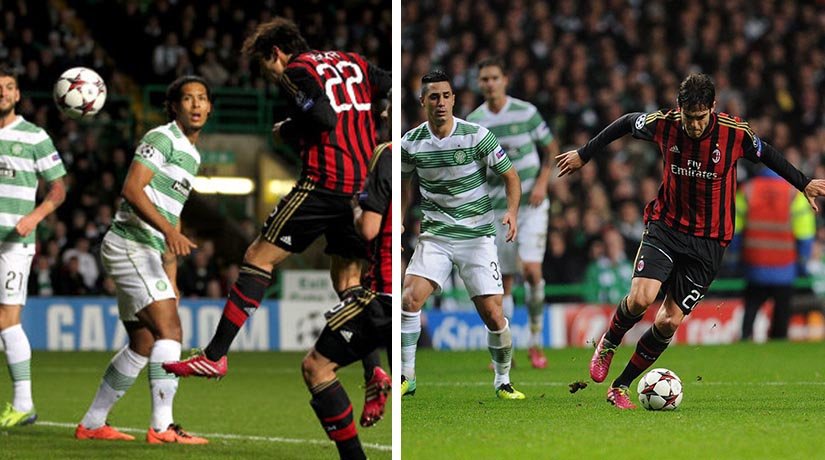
(434, 76)
(175, 90)
(492, 61)
(696, 92)
(280, 32)
(7, 71)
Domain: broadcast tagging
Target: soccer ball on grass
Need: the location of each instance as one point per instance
(79, 93)
(660, 389)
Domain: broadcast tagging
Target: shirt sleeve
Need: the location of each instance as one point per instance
(539, 131)
(308, 99)
(407, 161)
(489, 150)
(378, 188)
(154, 151)
(47, 162)
(644, 125)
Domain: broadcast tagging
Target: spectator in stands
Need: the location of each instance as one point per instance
(70, 281)
(86, 263)
(775, 229)
(607, 278)
(41, 278)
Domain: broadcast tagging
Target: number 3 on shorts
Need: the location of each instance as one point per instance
(496, 275)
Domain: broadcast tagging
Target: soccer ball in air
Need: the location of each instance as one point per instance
(79, 93)
(660, 389)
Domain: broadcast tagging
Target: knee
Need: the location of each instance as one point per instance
(668, 323)
(640, 298)
(492, 314)
(309, 368)
(255, 257)
(170, 330)
(411, 302)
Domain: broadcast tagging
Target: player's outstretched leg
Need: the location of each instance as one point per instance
(535, 307)
(18, 356)
(243, 300)
(375, 397)
(623, 320)
(334, 410)
(123, 369)
(500, 344)
(410, 332)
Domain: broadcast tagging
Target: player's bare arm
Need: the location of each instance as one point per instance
(54, 198)
(137, 179)
(512, 188)
(540, 188)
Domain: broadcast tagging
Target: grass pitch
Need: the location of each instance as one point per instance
(260, 410)
(741, 401)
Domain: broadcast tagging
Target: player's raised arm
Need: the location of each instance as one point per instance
(771, 158)
(572, 161)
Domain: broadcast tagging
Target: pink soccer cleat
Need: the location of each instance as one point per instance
(620, 397)
(537, 358)
(375, 397)
(600, 362)
(197, 365)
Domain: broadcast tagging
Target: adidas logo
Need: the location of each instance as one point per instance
(675, 149)
(286, 239)
(347, 335)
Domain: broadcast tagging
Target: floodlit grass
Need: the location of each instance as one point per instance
(260, 410)
(742, 401)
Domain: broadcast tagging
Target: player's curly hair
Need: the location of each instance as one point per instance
(696, 92)
(175, 90)
(280, 32)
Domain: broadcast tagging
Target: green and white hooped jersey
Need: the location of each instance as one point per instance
(175, 161)
(452, 176)
(518, 127)
(26, 154)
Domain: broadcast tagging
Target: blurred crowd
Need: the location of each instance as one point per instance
(584, 64)
(132, 43)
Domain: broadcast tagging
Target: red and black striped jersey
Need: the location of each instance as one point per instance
(377, 197)
(698, 191)
(331, 95)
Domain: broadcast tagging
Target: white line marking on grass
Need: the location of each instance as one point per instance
(562, 384)
(241, 437)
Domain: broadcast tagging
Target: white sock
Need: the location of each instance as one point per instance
(163, 385)
(19, 358)
(410, 332)
(500, 344)
(508, 305)
(123, 369)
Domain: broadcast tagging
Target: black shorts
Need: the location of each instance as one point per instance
(685, 264)
(356, 326)
(305, 213)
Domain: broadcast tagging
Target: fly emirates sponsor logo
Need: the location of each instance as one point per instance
(694, 169)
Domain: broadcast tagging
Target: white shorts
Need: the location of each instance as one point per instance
(137, 271)
(530, 241)
(15, 265)
(475, 259)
